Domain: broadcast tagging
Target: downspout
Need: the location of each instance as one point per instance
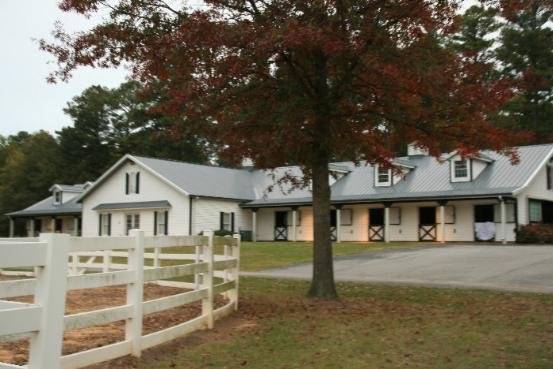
(190, 215)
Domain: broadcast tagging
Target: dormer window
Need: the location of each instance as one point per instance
(57, 197)
(460, 170)
(383, 176)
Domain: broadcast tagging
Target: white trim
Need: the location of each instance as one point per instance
(534, 174)
(116, 166)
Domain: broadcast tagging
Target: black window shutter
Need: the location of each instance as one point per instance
(127, 183)
(232, 222)
(137, 182)
(221, 217)
(155, 223)
(109, 224)
(548, 174)
(99, 224)
(166, 222)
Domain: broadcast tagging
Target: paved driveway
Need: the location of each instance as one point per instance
(515, 268)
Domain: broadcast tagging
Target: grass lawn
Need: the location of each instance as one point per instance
(373, 326)
(255, 256)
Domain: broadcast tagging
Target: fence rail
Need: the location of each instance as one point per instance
(55, 260)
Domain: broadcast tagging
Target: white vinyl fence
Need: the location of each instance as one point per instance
(54, 255)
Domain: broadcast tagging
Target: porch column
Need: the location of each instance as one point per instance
(32, 227)
(12, 227)
(254, 225)
(294, 222)
(387, 222)
(53, 225)
(503, 220)
(338, 223)
(442, 220)
(75, 226)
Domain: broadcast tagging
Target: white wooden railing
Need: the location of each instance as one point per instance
(43, 322)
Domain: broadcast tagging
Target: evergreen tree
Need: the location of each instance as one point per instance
(526, 54)
(29, 165)
(109, 123)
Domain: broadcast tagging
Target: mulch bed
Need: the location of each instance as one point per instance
(98, 298)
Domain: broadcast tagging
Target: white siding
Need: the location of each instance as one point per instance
(537, 189)
(151, 189)
(206, 214)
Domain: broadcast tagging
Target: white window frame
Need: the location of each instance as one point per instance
(530, 202)
(134, 223)
(161, 222)
(345, 219)
(377, 174)
(105, 224)
(453, 165)
(227, 226)
(132, 182)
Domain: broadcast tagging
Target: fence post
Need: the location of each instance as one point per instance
(199, 251)
(207, 279)
(157, 264)
(51, 284)
(135, 292)
(236, 271)
(107, 261)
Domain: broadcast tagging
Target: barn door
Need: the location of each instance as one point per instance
(281, 226)
(376, 224)
(333, 229)
(427, 223)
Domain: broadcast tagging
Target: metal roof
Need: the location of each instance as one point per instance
(46, 207)
(203, 180)
(429, 178)
(134, 205)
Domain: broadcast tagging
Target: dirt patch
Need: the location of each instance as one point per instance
(98, 298)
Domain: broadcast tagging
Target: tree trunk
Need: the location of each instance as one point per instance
(322, 284)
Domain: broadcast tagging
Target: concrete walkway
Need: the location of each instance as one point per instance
(511, 268)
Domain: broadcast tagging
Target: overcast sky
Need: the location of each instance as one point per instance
(27, 102)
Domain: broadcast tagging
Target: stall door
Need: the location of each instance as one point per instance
(427, 223)
(376, 224)
(484, 224)
(333, 230)
(281, 226)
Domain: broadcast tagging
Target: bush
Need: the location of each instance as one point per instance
(222, 232)
(535, 233)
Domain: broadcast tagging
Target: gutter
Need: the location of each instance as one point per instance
(381, 200)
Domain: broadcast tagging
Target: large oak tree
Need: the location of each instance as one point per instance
(299, 82)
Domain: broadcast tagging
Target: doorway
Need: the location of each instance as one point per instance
(376, 224)
(427, 223)
(281, 225)
(484, 223)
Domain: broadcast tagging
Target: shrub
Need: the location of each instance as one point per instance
(222, 232)
(535, 233)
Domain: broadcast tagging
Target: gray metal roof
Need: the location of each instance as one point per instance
(204, 180)
(46, 207)
(134, 205)
(429, 179)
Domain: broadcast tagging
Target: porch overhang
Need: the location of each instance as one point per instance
(373, 200)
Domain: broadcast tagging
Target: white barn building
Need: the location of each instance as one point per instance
(484, 197)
